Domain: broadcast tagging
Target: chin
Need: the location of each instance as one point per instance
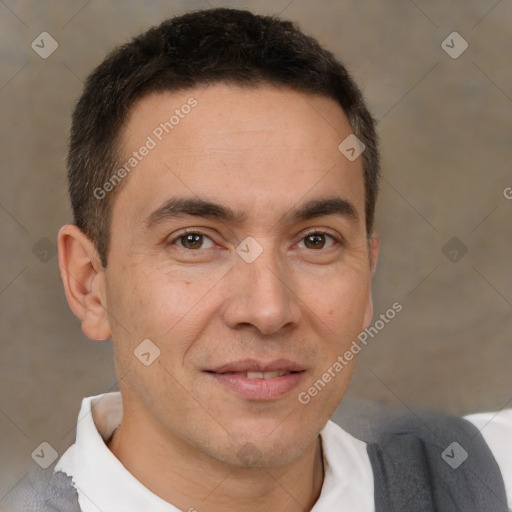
(264, 450)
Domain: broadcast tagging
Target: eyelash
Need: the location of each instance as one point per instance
(194, 232)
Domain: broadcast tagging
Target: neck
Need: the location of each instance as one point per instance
(194, 482)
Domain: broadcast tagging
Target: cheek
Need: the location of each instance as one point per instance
(340, 300)
(162, 307)
(150, 301)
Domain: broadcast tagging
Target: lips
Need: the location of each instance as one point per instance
(255, 366)
(259, 380)
(262, 375)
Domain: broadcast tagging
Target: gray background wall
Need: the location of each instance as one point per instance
(446, 133)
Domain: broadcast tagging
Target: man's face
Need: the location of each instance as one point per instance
(215, 307)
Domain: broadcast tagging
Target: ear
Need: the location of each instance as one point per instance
(83, 277)
(373, 249)
(374, 252)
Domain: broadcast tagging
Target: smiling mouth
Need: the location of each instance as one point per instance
(258, 385)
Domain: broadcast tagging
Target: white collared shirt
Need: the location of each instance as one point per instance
(105, 485)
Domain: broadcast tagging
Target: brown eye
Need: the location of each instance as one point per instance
(316, 240)
(193, 241)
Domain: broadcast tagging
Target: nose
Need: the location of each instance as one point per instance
(261, 295)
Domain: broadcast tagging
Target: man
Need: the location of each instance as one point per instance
(223, 173)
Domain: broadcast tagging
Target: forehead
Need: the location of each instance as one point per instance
(259, 150)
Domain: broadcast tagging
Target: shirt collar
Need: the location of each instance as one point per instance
(105, 485)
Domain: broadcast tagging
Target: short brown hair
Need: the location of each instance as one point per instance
(201, 47)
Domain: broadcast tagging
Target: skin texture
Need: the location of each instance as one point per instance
(263, 151)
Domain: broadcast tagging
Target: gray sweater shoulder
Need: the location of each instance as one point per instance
(42, 491)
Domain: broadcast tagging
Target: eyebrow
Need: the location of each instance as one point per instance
(177, 207)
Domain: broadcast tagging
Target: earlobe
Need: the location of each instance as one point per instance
(83, 278)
